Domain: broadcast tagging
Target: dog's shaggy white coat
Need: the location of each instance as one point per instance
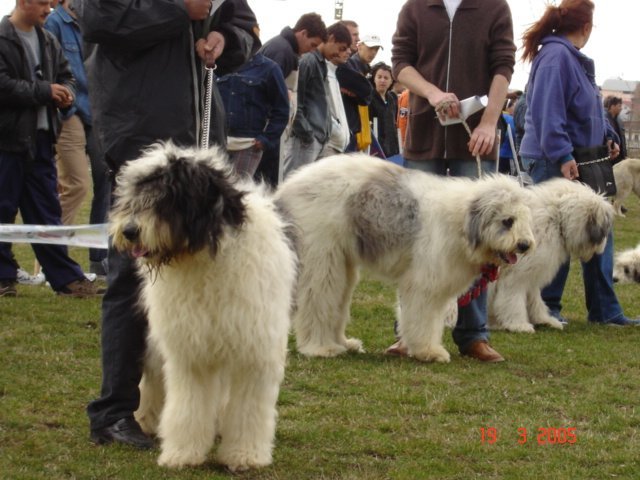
(570, 220)
(627, 175)
(429, 235)
(217, 273)
(626, 266)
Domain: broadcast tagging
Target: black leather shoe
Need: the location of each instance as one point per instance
(125, 431)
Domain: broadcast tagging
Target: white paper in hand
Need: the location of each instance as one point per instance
(468, 107)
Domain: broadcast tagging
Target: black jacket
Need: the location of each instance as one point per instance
(145, 78)
(21, 96)
(283, 49)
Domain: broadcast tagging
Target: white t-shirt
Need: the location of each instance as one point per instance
(339, 136)
(452, 6)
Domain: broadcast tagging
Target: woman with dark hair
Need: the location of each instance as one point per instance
(384, 108)
(564, 112)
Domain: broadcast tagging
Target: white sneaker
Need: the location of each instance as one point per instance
(25, 279)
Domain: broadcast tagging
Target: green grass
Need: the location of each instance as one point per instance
(363, 416)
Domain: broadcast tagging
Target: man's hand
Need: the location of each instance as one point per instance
(445, 103)
(211, 48)
(61, 95)
(570, 170)
(614, 149)
(482, 139)
(197, 9)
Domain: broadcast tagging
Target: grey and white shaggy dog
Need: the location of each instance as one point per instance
(569, 220)
(626, 266)
(217, 276)
(429, 235)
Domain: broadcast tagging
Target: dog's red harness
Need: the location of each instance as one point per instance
(490, 273)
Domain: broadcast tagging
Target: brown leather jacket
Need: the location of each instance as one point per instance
(461, 57)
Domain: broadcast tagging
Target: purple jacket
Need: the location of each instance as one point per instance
(564, 109)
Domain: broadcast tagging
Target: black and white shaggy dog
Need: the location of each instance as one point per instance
(217, 273)
(430, 235)
(570, 220)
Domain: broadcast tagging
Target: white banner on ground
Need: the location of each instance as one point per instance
(92, 236)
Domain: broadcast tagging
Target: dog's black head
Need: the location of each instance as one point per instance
(180, 204)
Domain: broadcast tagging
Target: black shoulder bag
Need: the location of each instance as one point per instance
(596, 169)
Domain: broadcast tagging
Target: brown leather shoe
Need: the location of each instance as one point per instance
(481, 350)
(398, 349)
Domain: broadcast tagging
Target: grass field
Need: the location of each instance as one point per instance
(363, 416)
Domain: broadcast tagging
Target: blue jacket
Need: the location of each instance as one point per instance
(256, 101)
(564, 109)
(66, 30)
(505, 145)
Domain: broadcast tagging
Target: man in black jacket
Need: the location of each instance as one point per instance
(285, 49)
(144, 81)
(35, 81)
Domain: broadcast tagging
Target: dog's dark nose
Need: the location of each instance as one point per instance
(523, 246)
(131, 232)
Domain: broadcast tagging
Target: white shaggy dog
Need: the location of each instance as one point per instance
(569, 219)
(429, 235)
(627, 175)
(217, 273)
(626, 267)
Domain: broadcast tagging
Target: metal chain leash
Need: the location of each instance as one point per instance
(206, 114)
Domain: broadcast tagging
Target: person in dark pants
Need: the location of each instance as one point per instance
(144, 87)
(80, 142)
(35, 82)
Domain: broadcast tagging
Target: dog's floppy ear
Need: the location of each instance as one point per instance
(597, 229)
(199, 201)
(473, 223)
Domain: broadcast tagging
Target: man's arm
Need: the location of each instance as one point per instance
(483, 136)
(137, 24)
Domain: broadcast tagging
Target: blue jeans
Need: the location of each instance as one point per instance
(31, 187)
(597, 274)
(472, 319)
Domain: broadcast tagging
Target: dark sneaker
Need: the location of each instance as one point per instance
(81, 289)
(126, 431)
(623, 322)
(8, 288)
(559, 317)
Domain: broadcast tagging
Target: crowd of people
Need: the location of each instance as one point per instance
(103, 80)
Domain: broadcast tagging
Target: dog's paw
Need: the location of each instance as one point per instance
(434, 353)
(523, 327)
(332, 350)
(241, 460)
(178, 459)
(550, 322)
(354, 345)
(147, 421)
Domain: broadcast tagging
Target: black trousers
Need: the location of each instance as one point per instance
(124, 329)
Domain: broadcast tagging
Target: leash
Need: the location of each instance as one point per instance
(443, 106)
(206, 114)
(490, 273)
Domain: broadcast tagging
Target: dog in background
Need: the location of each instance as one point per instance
(217, 276)
(429, 235)
(627, 175)
(626, 266)
(569, 220)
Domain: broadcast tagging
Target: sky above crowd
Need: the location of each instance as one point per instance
(613, 43)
